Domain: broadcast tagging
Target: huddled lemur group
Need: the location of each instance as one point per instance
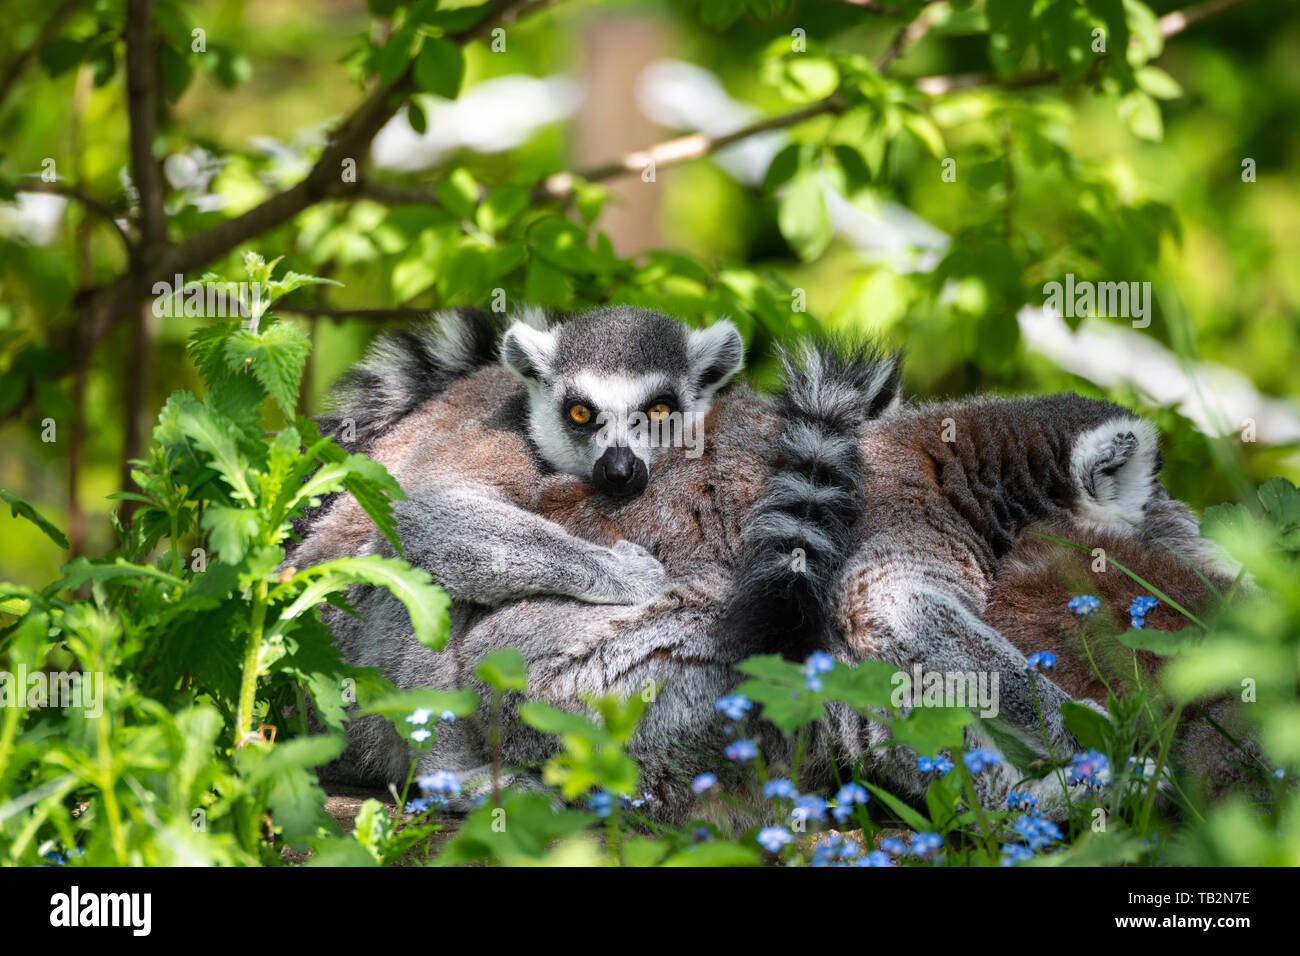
(601, 494)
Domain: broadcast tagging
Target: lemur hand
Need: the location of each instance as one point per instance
(629, 575)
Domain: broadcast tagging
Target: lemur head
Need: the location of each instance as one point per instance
(610, 389)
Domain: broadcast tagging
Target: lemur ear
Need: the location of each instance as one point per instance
(714, 354)
(527, 351)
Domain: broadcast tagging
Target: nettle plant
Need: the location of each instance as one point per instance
(205, 645)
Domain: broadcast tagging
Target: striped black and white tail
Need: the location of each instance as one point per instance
(403, 368)
(798, 535)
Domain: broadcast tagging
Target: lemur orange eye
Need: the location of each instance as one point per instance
(580, 414)
(658, 412)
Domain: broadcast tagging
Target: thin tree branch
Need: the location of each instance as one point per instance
(1170, 25)
(9, 77)
(904, 39)
(698, 145)
(107, 306)
(104, 306)
(1179, 20)
(142, 80)
(85, 199)
(396, 195)
(666, 153)
(669, 152)
(679, 150)
(349, 141)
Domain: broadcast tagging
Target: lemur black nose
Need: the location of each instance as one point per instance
(620, 472)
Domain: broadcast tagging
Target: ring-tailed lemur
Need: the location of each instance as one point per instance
(946, 577)
(437, 429)
(604, 395)
(691, 516)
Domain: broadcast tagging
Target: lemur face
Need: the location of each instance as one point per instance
(610, 389)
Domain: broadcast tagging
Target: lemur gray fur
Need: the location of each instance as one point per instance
(603, 396)
(692, 516)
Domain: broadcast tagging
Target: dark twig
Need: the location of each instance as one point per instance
(142, 79)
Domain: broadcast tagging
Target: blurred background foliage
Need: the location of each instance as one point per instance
(1111, 167)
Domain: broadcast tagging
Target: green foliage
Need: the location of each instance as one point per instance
(19, 508)
(219, 640)
(1106, 160)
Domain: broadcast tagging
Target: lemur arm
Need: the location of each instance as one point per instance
(482, 549)
(908, 602)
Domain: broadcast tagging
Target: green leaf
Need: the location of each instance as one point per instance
(870, 684)
(1109, 848)
(230, 530)
(554, 720)
(399, 705)
(1281, 501)
(291, 280)
(61, 54)
(217, 437)
(395, 54)
(1010, 742)
(808, 78)
(562, 244)
(544, 284)
(78, 572)
(425, 601)
(925, 129)
(367, 480)
(1092, 729)
(258, 269)
(207, 346)
(503, 670)
(803, 219)
(941, 798)
(239, 398)
(459, 193)
(373, 827)
(779, 685)
(275, 355)
(500, 207)
(176, 69)
(1158, 83)
(1145, 26)
(285, 773)
(439, 68)
(1164, 643)
(415, 116)
(715, 853)
(927, 730)
(19, 508)
(532, 827)
(1142, 114)
(905, 813)
(785, 164)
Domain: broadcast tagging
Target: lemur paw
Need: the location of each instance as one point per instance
(635, 576)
